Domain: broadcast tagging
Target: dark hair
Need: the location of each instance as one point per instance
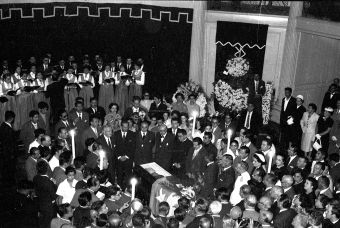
(262, 173)
(87, 171)
(313, 106)
(60, 129)
(136, 98)
(89, 141)
(163, 207)
(324, 200)
(92, 182)
(313, 181)
(102, 220)
(202, 205)
(62, 209)
(33, 150)
(42, 105)
(246, 149)
(172, 223)
(181, 131)
(114, 104)
(93, 99)
(175, 119)
(248, 134)
(138, 220)
(78, 102)
(70, 169)
(209, 134)
(92, 117)
(269, 141)
(197, 140)
(229, 157)
(180, 213)
(102, 176)
(79, 161)
(44, 151)
(335, 207)
(84, 198)
(288, 89)
(33, 113)
(272, 178)
(184, 203)
(38, 132)
(322, 164)
(9, 115)
(334, 157)
(146, 212)
(65, 157)
(179, 94)
(42, 167)
(285, 201)
(211, 156)
(97, 205)
(324, 181)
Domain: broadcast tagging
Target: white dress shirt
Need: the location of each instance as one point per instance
(242, 179)
(285, 103)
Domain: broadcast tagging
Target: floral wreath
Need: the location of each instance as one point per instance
(237, 67)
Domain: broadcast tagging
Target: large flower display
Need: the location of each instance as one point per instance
(236, 67)
(192, 87)
(266, 102)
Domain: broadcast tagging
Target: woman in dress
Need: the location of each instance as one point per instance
(138, 76)
(113, 118)
(86, 83)
(259, 161)
(184, 122)
(310, 186)
(324, 124)
(70, 90)
(308, 125)
(279, 169)
(122, 89)
(334, 134)
(7, 84)
(106, 92)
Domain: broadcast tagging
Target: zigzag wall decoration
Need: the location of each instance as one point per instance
(143, 11)
(239, 47)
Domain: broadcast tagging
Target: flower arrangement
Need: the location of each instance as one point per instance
(233, 99)
(266, 102)
(237, 67)
(192, 87)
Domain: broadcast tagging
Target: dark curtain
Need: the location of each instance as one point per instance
(242, 33)
(164, 45)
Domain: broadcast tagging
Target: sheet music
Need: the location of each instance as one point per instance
(153, 167)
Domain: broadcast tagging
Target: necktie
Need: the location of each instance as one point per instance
(162, 138)
(66, 123)
(143, 135)
(174, 132)
(248, 120)
(94, 110)
(256, 86)
(124, 135)
(109, 142)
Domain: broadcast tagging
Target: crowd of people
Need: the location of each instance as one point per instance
(241, 178)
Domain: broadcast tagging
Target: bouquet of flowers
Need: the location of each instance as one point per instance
(233, 99)
(192, 87)
(266, 102)
(236, 67)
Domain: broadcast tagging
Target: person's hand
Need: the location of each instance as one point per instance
(318, 136)
(122, 158)
(334, 138)
(125, 205)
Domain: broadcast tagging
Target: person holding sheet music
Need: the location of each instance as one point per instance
(106, 91)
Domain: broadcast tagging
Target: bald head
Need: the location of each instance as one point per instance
(215, 207)
(163, 129)
(250, 201)
(115, 221)
(236, 212)
(245, 190)
(287, 181)
(265, 203)
(276, 192)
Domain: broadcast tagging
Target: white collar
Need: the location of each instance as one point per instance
(287, 189)
(210, 163)
(248, 144)
(224, 169)
(323, 191)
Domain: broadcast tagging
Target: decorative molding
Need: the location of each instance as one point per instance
(325, 28)
(63, 9)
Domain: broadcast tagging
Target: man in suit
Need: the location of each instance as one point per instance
(80, 120)
(129, 66)
(195, 162)
(216, 130)
(244, 155)
(134, 108)
(207, 143)
(95, 109)
(90, 132)
(145, 142)
(297, 116)
(58, 173)
(226, 177)
(157, 107)
(291, 163)
(124, 144)
(106, 141)
(119, 62)
(164, 146)
(323, 187)
(228, 124)
(31, 163)
(45, 68)
(61, 67)
(180, 152)
(174, 127)
(9, 145)
(63, 122)
(27, 130)
(256, 89)
(331, 97)
(286, 214)
(246, 139)
(63, 136)
(46, 193)
(209, 176)
(249, 212)
(44, 117)
(250, 119)
(288, 109)
(287, 185)
(334, 172)
(55, 91)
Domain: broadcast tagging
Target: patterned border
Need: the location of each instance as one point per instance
(63, 9)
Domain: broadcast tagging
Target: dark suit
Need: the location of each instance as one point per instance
(157, 111)
(128, 69)
(88, 133)
(100, 112)
(330, 102)
(286, 129)
(217, 133)
(129, 111)
(27, 134)
(55, 92)
(164, 150)
(44, 125)
(210, 148)
(8, 141)
(297, 131)
(124, 147)
(255, 121)
(45, 191)
(92, 160)
(81, 125)
(255, 94)
(58, 175)
(232, 126)
(144, 147)
(284, 219)
(334, 172)
(226, 179)
(209, 179)
(290, 193)
(195, 164)
(31, 168)
(291, 165)
(110, 153)
(60, 124)
(180, 152)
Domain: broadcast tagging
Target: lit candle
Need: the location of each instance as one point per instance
(133, 182)
(72, 134)
(270, 161)
(229, 134)
(101, 159)
(194, 114)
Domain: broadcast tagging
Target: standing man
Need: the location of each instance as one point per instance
(180, 153)
(27, 130)
(44, 117)
(94, 109)
(256, 89)
(164, 147)
(195, 162)
(124, 144)
(145, 142)
(288, 109)
(90, 132)
(250, 119)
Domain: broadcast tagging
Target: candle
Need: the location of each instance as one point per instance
(101, 159)
(72, 134)
(194, 114)
(133, 182)
(229, 134)
(270, 161)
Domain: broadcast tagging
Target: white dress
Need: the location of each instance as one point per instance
(308, 126)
